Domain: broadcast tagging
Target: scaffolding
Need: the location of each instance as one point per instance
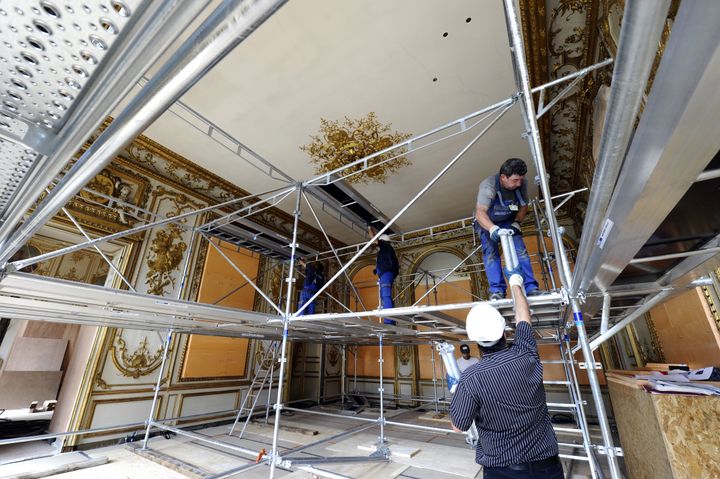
(154, 25)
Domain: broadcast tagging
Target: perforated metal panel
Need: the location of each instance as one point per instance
(49, 51)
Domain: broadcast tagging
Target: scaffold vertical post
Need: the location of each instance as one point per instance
(435, 395)
(576, 397)
(272, 376)
(545, 262)
(381, 420)
(522, 79)
(274, 456)
(343, 377)
(609, 446)
(161, 370)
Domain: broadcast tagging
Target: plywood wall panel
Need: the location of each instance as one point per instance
(687, 331)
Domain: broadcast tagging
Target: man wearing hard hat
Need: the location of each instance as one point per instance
(504, 396)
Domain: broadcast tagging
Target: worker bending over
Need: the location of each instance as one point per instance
(504, 396)
(502, 204)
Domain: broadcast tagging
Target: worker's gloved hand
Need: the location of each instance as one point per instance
(495, 233)
(516, 280)
(515, 228)
(514, 276)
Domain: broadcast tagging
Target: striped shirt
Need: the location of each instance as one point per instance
(505, 397)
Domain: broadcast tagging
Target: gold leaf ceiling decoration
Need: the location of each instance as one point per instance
(339, 144)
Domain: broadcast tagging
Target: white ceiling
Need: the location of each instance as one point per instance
(326, 58)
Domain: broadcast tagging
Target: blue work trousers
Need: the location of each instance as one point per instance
(305, 294)
(493, 268)
(386, 298)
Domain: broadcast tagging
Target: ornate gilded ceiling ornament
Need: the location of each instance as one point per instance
(339, 144)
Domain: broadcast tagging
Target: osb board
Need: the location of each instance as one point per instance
(640, 432)
(690, 425)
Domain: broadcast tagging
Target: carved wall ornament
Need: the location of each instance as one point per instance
(107, 214)
(167, 245)
(100, 382)
(260, 352)
(333, 355)
(166, 253)
(339, 144)
(137, 363)
(404, 354)
(154, 160)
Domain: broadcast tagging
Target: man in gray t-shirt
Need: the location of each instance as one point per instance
(502, 204)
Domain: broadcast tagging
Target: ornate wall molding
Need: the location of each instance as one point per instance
(135, 364)
(175, 169)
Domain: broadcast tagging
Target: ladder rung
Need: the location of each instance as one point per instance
(567, 430)
(561, 404)
(556, 382)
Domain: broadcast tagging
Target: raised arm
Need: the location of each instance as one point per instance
(522, 310)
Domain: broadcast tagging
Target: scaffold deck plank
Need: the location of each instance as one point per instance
(32, 297)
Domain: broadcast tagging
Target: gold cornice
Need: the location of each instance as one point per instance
(200, 172)
(235, 191)
(535, 40)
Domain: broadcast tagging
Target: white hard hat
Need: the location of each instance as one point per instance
(383, 237)
(485, 325)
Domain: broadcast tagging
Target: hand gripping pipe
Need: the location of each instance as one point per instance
(508, 248)
(447, 353)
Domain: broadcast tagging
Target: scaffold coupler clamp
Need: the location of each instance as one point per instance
(610, 451)
(565, 296)
(381, 451)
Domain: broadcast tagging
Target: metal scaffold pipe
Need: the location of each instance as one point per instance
(533, 135)
(274, 457)
(643, 23)
(226, 27)
(151, 30)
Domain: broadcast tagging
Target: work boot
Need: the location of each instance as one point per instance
(535, 292)
(496, 296)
